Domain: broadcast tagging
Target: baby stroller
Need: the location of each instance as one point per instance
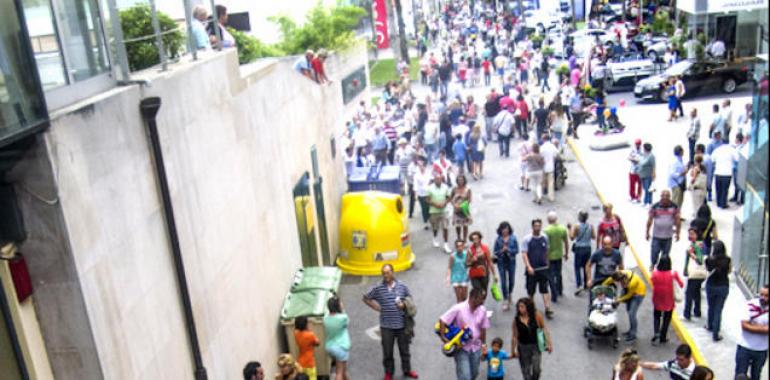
(602, 317)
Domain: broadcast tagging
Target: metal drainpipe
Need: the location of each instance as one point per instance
(149, 108)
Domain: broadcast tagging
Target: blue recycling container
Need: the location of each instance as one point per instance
(378, 178)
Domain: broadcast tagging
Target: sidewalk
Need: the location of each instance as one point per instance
(608, 170)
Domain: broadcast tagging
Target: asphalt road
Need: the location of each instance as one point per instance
(497, 198)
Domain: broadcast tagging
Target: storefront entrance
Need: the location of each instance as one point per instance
(725, 31)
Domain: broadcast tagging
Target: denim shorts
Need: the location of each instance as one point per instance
(337, 353)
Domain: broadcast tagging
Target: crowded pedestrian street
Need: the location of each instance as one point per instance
(384, 189)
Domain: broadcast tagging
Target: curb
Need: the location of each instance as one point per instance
(680, 330)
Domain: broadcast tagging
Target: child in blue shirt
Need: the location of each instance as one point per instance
(494, 358)
(459, 149)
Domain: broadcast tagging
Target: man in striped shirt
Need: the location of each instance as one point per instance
(679, 368)
(387, 298)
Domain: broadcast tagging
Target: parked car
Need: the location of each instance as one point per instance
(584, 38)
(698, 77)
(627, 69)
(654, 47)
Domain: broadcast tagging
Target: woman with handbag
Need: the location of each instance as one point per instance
(664, 296)
(717, 287)
(479, 263)
(530, 337)
(695, 271)
(506, 248)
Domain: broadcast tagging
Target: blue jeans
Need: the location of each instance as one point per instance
(600, 119)
(430, 151)
(582, 254)
(723, 186)
(715, 297)
(554, 270)
(442, 86)
(632, 306)
(692, 298)
(467, 364)
(646, 183)
(658, 246)
(505, 145)
(746, 360)
(507, 270)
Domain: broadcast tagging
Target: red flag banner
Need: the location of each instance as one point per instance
(380, 17)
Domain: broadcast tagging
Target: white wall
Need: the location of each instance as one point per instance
(234, 147)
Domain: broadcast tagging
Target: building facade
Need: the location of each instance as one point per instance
(82, 208)
(752, 264)
(741, 25)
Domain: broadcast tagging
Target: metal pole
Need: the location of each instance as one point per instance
(120, 47)
(215, 25)
(188, 19)
(149, 108)
(158, 36)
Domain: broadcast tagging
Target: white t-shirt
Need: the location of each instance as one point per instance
(421, 181)
(753, 341)
(723, 158)
(460, 129)
(549, 153)
(431, 133)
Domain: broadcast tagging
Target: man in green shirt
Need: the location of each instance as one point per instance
(438, 198)
(558, 248)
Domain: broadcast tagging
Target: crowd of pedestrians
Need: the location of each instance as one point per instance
(440, 142)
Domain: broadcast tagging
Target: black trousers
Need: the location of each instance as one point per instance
(388, 337)
(660, 322)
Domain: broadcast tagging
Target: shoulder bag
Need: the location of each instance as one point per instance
(677, 290)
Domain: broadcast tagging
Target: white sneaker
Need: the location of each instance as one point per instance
(435, 242)
(446, 248)
(489, 313)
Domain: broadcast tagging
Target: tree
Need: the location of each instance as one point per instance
(574, 17)
(136, 22)
(329, 28)
(402, 42)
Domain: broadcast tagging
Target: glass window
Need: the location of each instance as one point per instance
(45, 44)
(79, 26)
(21, 98)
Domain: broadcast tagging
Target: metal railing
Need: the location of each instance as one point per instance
(118, 42)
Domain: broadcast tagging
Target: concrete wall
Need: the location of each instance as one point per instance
(235, 142)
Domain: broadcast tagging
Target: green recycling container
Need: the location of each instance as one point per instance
(308, 303)
(326, 278)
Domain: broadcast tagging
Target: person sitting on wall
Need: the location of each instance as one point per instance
(317, 65)
(303, 65)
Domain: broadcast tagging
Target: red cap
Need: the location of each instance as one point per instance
(638, 141)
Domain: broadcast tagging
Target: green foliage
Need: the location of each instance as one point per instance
(547, 51)
(700, 52)
(136, 22)
(645, 28)
(536, 38)
(329, 28)
(661, 23)
(701, 38)
(250, 49)
(563, 69)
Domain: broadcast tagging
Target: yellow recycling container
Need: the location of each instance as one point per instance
(374, 230)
